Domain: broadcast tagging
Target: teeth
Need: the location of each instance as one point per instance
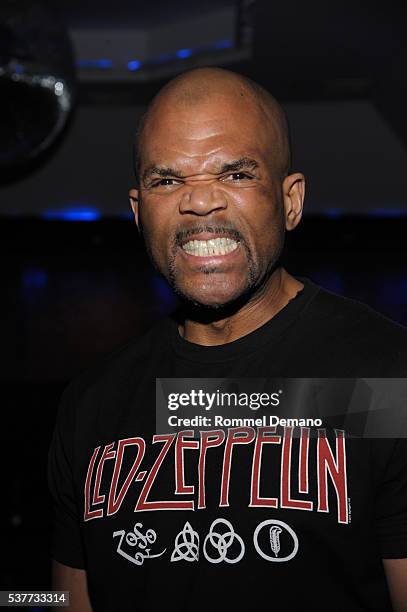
(214, 246)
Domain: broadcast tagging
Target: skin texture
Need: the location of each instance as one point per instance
(203, 122)
(70, 579)
(396, 574)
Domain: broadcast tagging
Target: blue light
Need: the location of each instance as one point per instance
(18, 68)
(76, 213)
(164, 57)
(126, 215)
(392, 288)
(330, 280)
(183, 53)
(134, 65)
(34, 278)
(387, 212)
(223, 44)
(100, 63)
(373, 212)
(333, 212)
(164, 297)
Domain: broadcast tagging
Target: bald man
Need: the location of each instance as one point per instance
(212, 517)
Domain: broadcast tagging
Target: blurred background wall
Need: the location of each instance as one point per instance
(74, 81)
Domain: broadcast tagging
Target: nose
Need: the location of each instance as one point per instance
(202, 200)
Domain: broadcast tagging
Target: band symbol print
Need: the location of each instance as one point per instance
(221, 541)
(139, 540)
(268, 537)
(275, 539)
(186, 546)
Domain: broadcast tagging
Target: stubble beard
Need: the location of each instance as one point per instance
(208, 271)
(255, 281)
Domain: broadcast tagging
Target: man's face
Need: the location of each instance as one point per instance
(210, 202)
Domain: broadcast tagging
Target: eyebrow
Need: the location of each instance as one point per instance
(239, 164)
(234, 166)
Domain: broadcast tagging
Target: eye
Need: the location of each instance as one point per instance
(164, 182)
(238, 176)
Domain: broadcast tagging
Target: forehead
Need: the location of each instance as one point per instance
(196, 136)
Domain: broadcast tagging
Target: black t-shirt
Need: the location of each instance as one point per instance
(159, 523)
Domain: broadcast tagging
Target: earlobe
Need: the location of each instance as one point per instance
(134, 203)
(293, 193)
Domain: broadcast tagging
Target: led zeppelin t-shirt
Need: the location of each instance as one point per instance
(267, 517)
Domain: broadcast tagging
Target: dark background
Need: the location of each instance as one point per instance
(76, 280)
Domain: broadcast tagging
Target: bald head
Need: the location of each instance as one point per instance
(201, 86)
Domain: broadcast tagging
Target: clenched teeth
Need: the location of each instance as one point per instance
(214, 246)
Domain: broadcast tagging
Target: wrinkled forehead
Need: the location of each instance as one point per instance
(218, 125)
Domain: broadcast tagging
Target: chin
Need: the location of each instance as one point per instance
(209, 300)
(214, 291)
(209, 304)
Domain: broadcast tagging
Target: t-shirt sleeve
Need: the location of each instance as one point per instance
(66, 541)
(391, 505)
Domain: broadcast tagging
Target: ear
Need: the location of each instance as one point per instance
(293, 194)
(134, 203)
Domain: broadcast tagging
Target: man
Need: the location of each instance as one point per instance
(146, 521)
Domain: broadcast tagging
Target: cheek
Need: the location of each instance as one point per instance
(272, 235)
(156, 222)
(262, 223)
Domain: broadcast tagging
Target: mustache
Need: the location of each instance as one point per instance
(183, 234)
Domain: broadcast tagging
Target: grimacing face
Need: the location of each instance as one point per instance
(207, 173)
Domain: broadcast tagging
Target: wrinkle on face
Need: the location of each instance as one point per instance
(217, 166)
(182, 154)
(190, 155)
(218, 89)
(193, 130)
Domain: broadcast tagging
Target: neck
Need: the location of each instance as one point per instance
(228, 325)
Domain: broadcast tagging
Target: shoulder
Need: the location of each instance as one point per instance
(354, 330)
(347, 313)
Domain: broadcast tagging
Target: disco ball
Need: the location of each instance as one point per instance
(37, 83)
